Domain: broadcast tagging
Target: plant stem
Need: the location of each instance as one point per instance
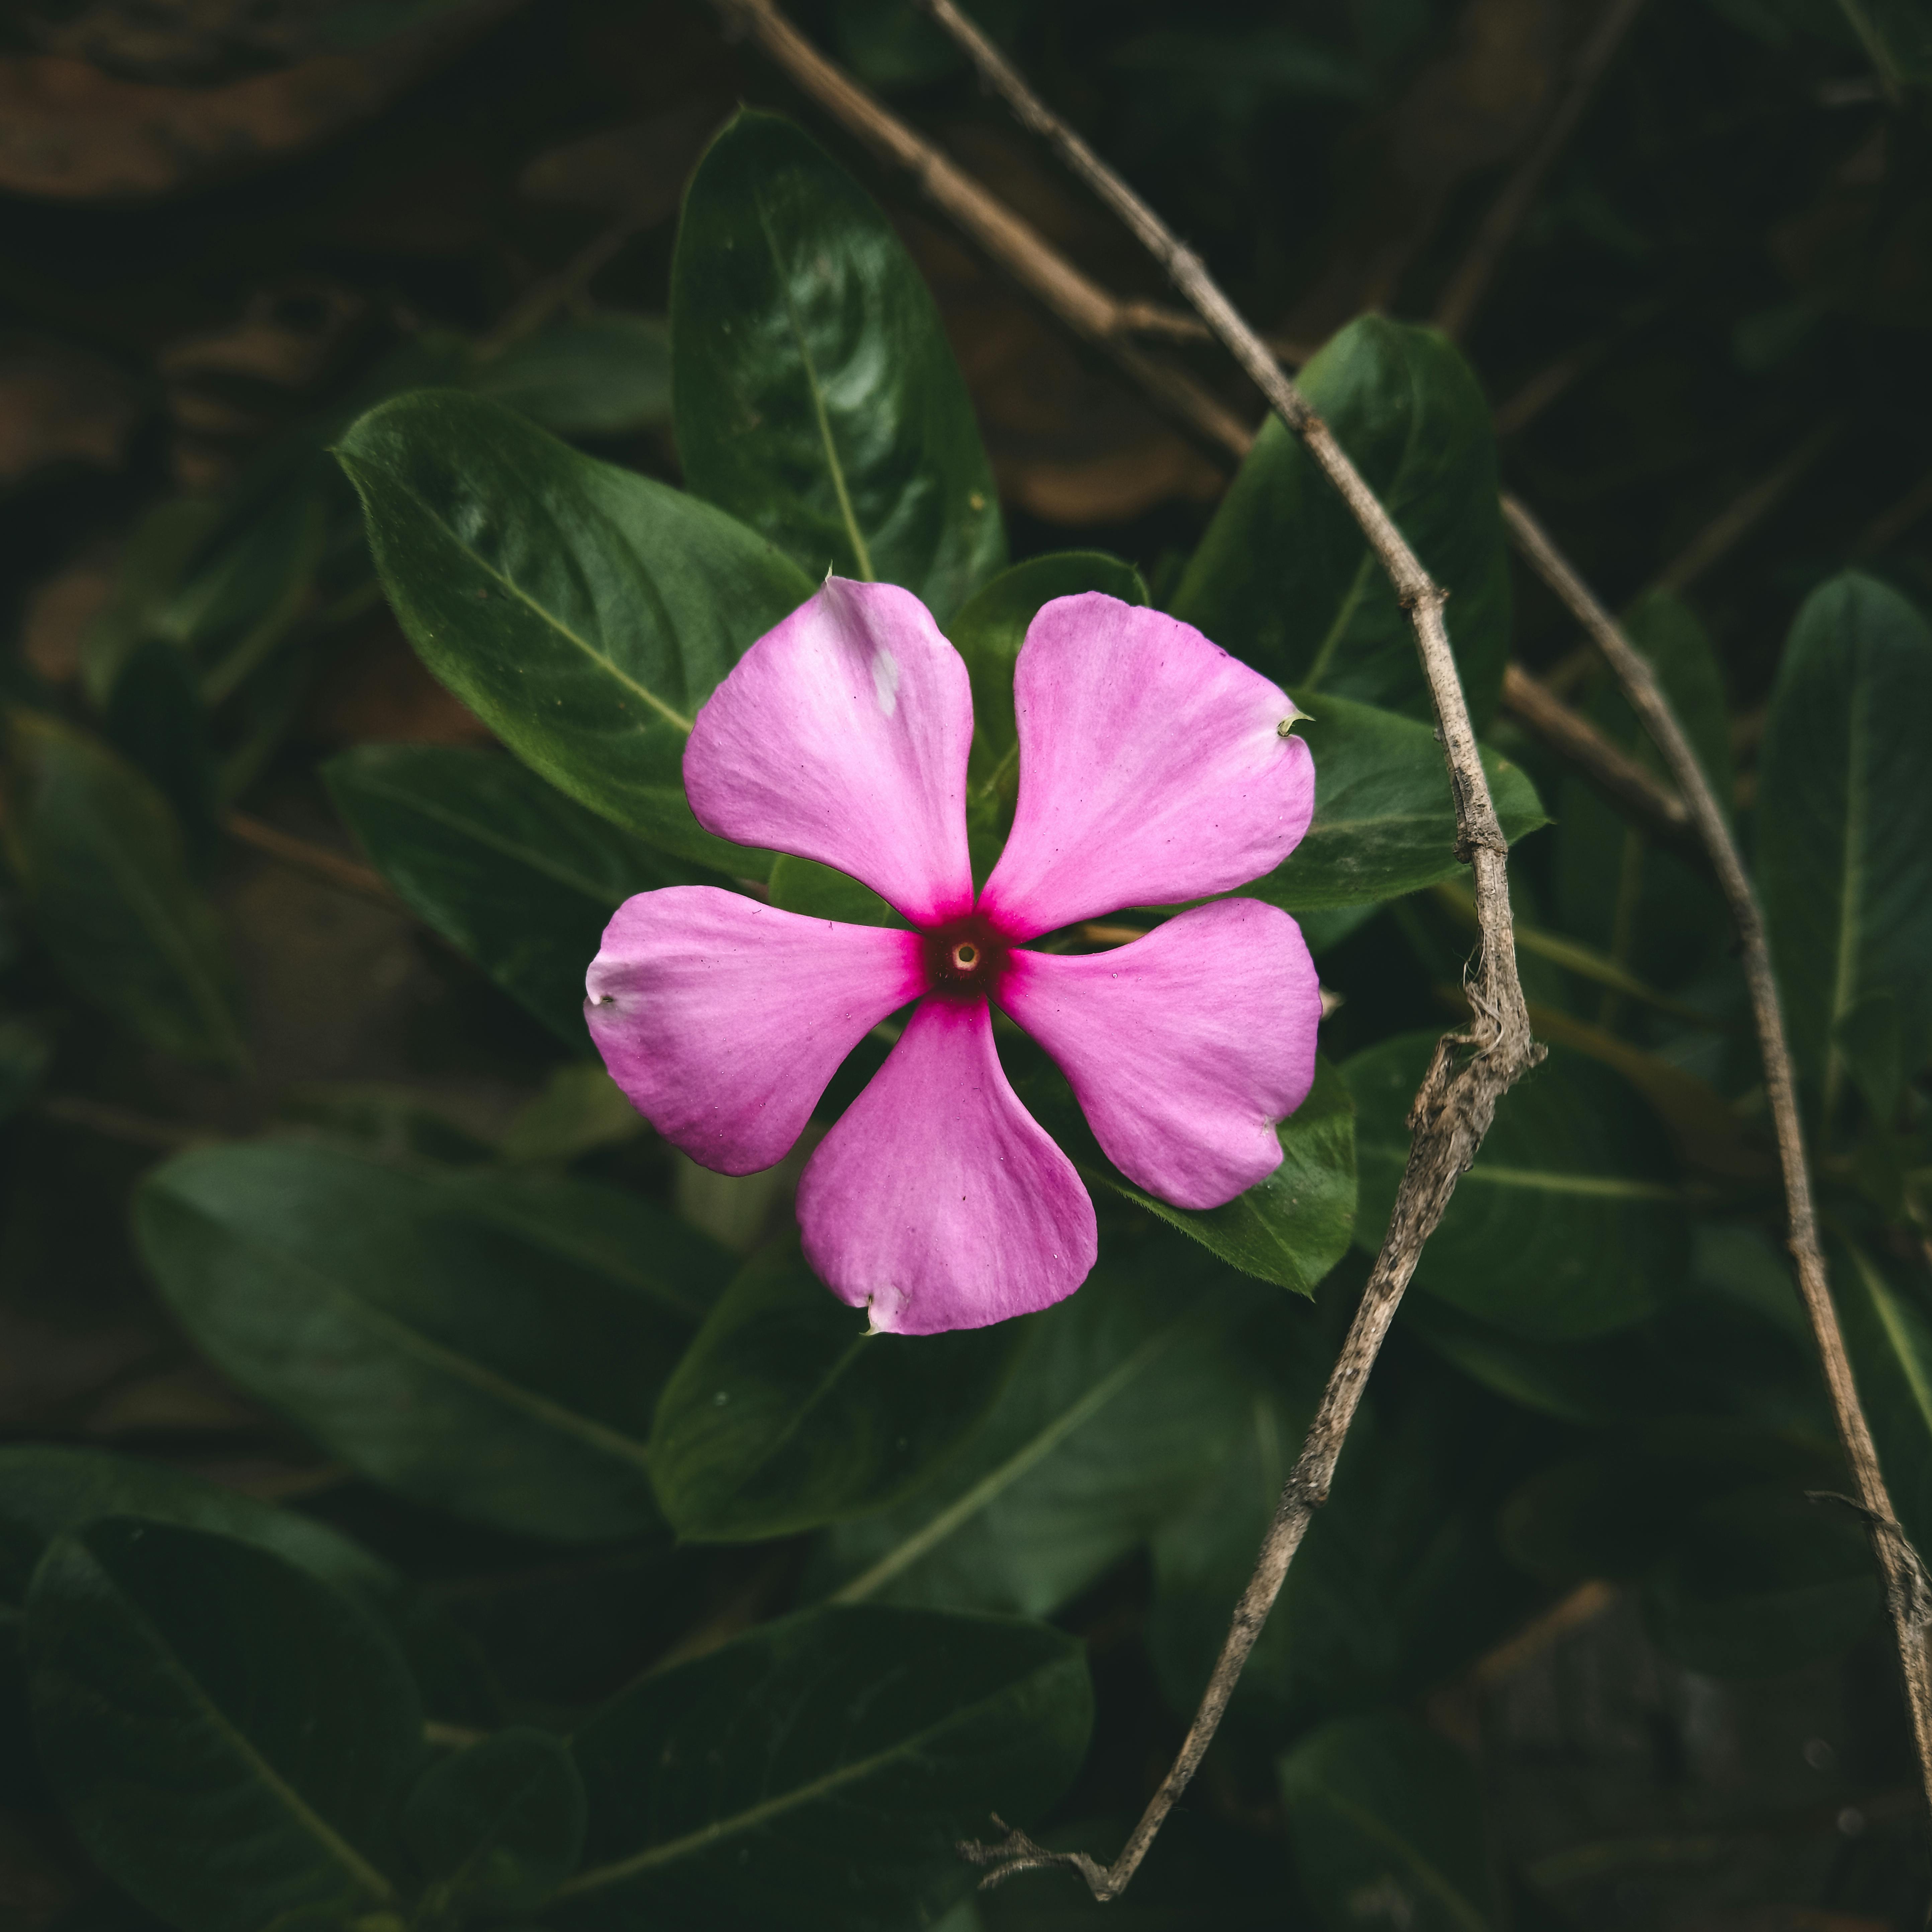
(1470, 1072)
(1898, 1563)
(1471, 282)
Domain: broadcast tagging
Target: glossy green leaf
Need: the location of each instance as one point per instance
(516, 876)
(864, 1743)
(1380, 1809)
(1284, 578)
(816, 398)
(1845, 825)
(109, 893)
(488, 1341)
(1570, 1223)
(228, 1736)
(787, 1412)
(1290, 1228)
(584, 613)
(501, 1823)
(1384, 824)
(605, 373)
(1122, 1402)
(989, 628)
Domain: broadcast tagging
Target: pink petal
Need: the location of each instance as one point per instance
(938, 1200)
(723, 1019)
(1184, 1048)
(842, 736)
(1152, 769)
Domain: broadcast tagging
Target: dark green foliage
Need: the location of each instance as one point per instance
(512, 873)
(584, 613)
(489, 1342)
(864, 1743)
(1845, 839)
(501, 1821)
(1315, 611)
(1570, 1223)
(191, 1692)
(816, 399)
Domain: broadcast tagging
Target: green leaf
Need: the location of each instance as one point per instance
(1290, 1228)
(605, 373)
(1570, 1223)
(501, 1823)
(228, 1736)
(583, 612)
(1284, 578)
(580, 1108)
(989, 628)
(1387, 1822)
(1845, 824)
(50, 1491)
(1122, 1402)
(514, 874)
(822, 892)
(816, 398)
(487, 1341)
(109, 894)
(864, 1743)
(787, 1413)
(1384, 824)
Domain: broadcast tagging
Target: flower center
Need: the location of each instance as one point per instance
(966, 956)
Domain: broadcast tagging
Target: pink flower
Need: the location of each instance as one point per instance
(1153, 768)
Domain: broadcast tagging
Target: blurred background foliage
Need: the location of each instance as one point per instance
(1569, 1646)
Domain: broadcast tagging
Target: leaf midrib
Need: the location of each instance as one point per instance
(306, 1818)
(422, 1348)
(598, 1876)
(937, 1529)
(517, 591)
(1448, 1893)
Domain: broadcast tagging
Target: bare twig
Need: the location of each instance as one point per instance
(304, 855)
(1635, 791)
(1888, 526)
(1899, 1565)
(1470, 1072)
(1468, 285)
(1737, 520)
(1092, 312)
(538, 303)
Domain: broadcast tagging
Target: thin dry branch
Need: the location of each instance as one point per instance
(1897, 1562)
(1739, 518)
(1470, 1072)
(1471, 282)
(318, 862)
(1606, 764)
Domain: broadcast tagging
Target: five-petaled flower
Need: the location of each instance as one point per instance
(1153, 768)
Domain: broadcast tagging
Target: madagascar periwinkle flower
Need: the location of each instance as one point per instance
(1153, 768)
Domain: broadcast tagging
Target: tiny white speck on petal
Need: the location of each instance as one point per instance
(886, 681)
